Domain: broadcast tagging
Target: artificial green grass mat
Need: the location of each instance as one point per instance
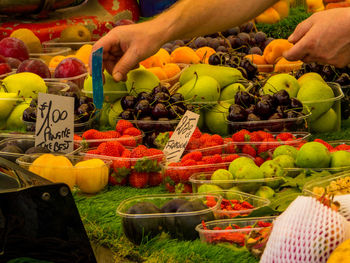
(103, 227)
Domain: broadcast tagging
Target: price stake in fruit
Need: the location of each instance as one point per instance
(181, 136)
(54, 128)
(97, 81)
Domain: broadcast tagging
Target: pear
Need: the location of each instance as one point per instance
(14, 121)
(285, 150)
(112, 90)
(313, 155)
(114, 113)
(139, 80)
(239, 162)
(215, 118)
(327, 122)
(265, 192)
(281, 81)
(310, 76)
(229, 92)
(104, 116)
(340, 159)
(314, 94)
(201, 89)
(223, 75)
(7, 102)
(25, 84)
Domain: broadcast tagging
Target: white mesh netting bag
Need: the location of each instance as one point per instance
(307, 231)
(344, 201)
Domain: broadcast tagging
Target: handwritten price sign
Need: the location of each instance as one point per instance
(181, 136)
(54, 128)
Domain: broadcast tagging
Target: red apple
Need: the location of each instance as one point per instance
(13, 47)
(35, 66)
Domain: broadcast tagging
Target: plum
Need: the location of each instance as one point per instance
(70, 67)
(4, 68)
(13, 62)
(14, 48)
(35, 66)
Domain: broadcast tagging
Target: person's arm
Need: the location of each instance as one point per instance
(324, 38)
(126, 46)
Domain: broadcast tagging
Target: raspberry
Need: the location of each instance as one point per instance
(329, 147)
(264, 135)
(212, 159)
(248, 149)
(229, 146)
(112, 134)
(94, 152)
(196, 134)
(197, 156)
(132, 131)
(240, 136)
(193, 144)
(204, 138)
(128, 140)
(126, 153)
(189, 162)
(77, 137)
(90, 134)
(284, 136)
(342, 147)
(217, 139)
(230, 158)
(122, 125)
(259, 161)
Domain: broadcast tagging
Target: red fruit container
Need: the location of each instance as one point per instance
(137, 172)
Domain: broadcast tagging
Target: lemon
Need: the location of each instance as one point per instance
(29, 38)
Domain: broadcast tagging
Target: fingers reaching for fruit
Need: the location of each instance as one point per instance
(322, 38)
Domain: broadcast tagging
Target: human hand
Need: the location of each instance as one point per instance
(324, 38)
(125, 46)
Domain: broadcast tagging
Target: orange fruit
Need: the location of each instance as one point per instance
(204, 53)
(84, 52)
(184, 55)
(55, 61)
(159, 72)
(171, 70)
(274, 50)
(286, 66)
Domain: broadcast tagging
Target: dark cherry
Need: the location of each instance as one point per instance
(29, 114)
(292, 114)
(214, 59)
(244, 99)
(175, 112)
(84, 100)
(282, 97)
(161, 97)
(275, 116)
(176, 97)
(145, 124)
(160, 88)
(253, 117)
(159, 111)
(296, 104)
(270, 98)
(33, 103)
(343, 79)
(128, 102)
(83, 113)
(165, 125)
(251, 109)
(144, 96)
(127, 115)
(142, 109)
(237, 113)
(75, 96)
(264, 109)
(281, 110)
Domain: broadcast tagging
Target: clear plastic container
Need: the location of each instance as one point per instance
(247, 186)
(248, 229)
(256, 201)
(133, 165)
(154, 125)
(318, 187)
(2, 76)
(77, 80)
(179, 225)
(73, 45)
(89, 177)
(49, 52)
(109, 96)
(336, 103)
(279, 125)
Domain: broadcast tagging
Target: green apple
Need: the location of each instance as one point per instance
(316, 95)
(222, 175)
(25, 84)
(340, 159)
(313, 155)
(265, 192)
(285, 150)
(112, 90)
(201, 89)
(237, 163)
(310, 76)
(7, 102)
(285, 161)
(327, 122)
(114, 113)
(139, 80)
(281, 81)
(14, 121)
(229, 92)
(272, 169)
(215, 118)
(208, 188)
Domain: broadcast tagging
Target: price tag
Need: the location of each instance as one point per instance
(54, 128)
(177, 143)
(97, 80)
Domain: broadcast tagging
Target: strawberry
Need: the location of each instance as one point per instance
(111, 134)
(155, 179)
(132, 131)
(138, 152)
(128, 140)
(284, 136)
(193, 144)
(122, 167)
(114, 179)
(264, 135)
(77, 137)
(205, 137)
(329, 147)
(211, 148)
(90, 134)
(170, 187)
(217, 139)
(197, 156)
(138, 180)
(230, 158)
(248, 149)
(122, 125)
(196, 134)
(158, 154)
(240, 136)
(183, 188)
(188, 162)
(259, 161)
(171, 173)
(170, 133)
(212, 159)
(342, 147)
(254, 137)
(94, 152)
(113, 148)
(126, 153)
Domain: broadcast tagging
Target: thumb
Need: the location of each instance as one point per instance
(300, 31)
(126, 63)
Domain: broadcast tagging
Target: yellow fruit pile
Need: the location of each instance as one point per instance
(341, 186)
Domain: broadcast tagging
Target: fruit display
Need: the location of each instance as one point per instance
(235, 203)
(90, 176)
(250, 234)
(144, 217)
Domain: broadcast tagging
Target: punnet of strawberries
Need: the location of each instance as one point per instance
(228, 208)
(124, 132)
(177, 174)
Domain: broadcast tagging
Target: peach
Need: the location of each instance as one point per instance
(274, 50)
(159, 72)
(171, 70)
(157, 60)
(282, 7)
(204, 53)
(286, 66)
(184, 55)
(314, 5)
(269, 16)
(260, 62)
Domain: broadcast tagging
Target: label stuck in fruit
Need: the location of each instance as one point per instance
(177, 143)
(54, 128)
(97, 81)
